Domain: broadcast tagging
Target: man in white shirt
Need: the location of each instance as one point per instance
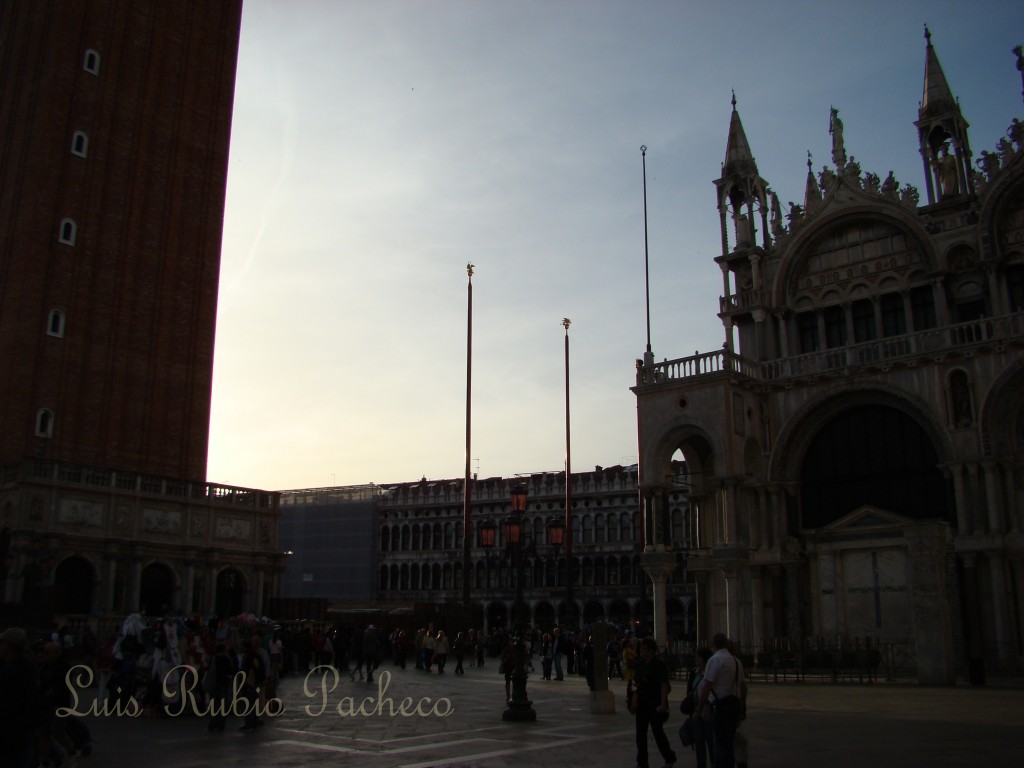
(726, 687)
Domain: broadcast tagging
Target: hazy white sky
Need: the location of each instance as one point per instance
(379, 145)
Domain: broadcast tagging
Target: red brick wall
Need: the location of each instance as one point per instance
(129, 384)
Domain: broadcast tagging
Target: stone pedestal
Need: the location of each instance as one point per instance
(602, 702)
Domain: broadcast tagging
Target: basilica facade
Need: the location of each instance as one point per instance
(853, 455)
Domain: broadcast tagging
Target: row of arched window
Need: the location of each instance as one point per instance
(600, 528)
(539, 573)
(898, 313)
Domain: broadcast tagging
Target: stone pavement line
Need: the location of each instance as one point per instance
(390, 739)
(517, 750)
(474, 735)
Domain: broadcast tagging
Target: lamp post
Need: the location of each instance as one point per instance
(556, 537)
(467, 487)
(519, 707)
(570, 602)
(486, 532)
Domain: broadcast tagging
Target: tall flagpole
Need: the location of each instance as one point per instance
(570, 605)
(648, 354)
(467, 485)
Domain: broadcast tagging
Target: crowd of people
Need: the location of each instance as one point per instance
(137, 664)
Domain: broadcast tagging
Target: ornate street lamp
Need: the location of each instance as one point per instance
(486, 532)
(556, 537)
(519, 707)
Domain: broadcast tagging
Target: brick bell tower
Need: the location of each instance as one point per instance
(114, 131)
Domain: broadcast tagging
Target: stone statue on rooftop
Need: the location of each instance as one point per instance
(835, 128)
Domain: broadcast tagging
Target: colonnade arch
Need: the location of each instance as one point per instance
(74, 581)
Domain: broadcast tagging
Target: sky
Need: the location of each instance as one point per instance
(378, 146)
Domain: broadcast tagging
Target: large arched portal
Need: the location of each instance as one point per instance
(873, 455)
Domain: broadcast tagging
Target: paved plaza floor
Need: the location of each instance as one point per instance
(810, 724)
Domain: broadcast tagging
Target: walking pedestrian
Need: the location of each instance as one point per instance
(459, 649)
(652, 688)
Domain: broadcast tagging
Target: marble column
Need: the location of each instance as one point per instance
(757, 605)
(728, 533)
(135, 586)
(1016, 510)
(702, 597)
(764, 531)
(791, 574)
(110, 584)
(963, 518)
(732, 604)
(188, 587)
(777, 514)
(993, 500)
(659, 565)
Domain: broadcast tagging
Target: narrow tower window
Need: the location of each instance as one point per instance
(67, 232)
(863, 321)
(92, 62)
(894, 320)
(1015, 286)
(922, 307)
(55, 324)
(807, 331)
(44, 423)
(835, 327)
(80, 144)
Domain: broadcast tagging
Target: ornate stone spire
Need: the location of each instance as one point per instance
(742, 193)
(739, 160)
(937, 98)
(942, 133)
(812, 194)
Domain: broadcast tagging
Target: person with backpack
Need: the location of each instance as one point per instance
(699, 730)
(218, 687)
(614, 653)
(255, 665)
(723, 680)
